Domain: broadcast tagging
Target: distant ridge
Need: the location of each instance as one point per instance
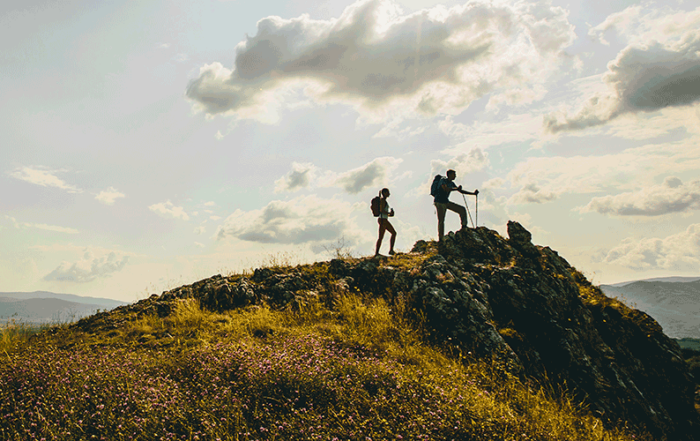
(671, 279)
(102, 302)
(673, 301)
(48, 307)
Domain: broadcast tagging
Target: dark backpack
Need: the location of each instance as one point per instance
(375, 206)
(435, 186)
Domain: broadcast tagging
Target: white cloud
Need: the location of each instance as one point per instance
(300, 177)
(108, 196)
(493, 184)
(53, 228)
(46, 227)
(677, 252)
(513, 128)
(373, 174)
(167, 209)
(200, 230)
(436, 60)
(547, 178)
(210, 204)
(463, 164)
(670, 197)
(305, 219)
(43, 177)
(657, 70)
(89, 268)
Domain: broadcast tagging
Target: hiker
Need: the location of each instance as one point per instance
(385, 212)
(442, 202)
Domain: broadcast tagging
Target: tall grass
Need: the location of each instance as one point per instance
(355, 370)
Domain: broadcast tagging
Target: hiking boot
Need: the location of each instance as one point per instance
(392, 252)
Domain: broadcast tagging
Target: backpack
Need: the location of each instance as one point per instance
(435, 186)
(374, 205)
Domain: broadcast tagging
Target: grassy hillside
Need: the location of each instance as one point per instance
(343, 367)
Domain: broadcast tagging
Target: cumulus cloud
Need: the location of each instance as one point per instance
(673, 196)
(463, 164)
(109, 195)
(372, 174)
(300, 177)
(546, 178)
(89, 268)
(169, 210)
(43, 177)
(432, 61)
(676, 252)
(646, 76)
(300, 220)
(532, 193)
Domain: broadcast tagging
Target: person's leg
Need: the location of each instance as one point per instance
(382, 229)
(390, 228)
(459, 210)
(441, 209)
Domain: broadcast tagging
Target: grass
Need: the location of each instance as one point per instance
(358, 369)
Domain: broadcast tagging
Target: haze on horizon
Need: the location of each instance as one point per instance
(151, 144)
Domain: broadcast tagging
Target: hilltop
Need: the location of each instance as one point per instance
(478, 337)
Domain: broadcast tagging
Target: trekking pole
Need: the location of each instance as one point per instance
(467, 207)
(477, 208)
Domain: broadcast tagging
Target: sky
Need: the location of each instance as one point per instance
(146, 145)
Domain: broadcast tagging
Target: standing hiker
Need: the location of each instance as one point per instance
(444, 187)
(383, 211)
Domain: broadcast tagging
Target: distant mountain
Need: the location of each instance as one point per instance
(659, 279)
(673, 301)
(47, 307)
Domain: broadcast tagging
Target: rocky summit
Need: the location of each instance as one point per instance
(484, 295)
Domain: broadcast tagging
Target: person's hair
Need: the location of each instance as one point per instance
(450, 171)
(381, 192)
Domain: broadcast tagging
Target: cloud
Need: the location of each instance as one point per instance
(46, 227)
(463, 164)
(300, 220)
(108, 196)
(532, 193)
(646, 76)
(43, 177)
(53, 228)
(374, 173)
(88, 268)
(167, 209)
(436, 60)
(670, 197)
(543, 179)
(200, 230)
(300, 177)
(676, 252)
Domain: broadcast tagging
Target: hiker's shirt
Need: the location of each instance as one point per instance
(442, 197)
(384, 214)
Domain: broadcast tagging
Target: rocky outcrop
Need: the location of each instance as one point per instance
(504, 298)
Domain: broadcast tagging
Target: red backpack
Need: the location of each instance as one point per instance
(374, 205)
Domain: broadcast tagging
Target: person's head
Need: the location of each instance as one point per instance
(451, 175)
(384, 192)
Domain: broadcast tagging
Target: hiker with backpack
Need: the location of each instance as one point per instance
(382, 210)
(441, 189)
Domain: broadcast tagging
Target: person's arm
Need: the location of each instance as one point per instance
(476, 192)
(448, 189)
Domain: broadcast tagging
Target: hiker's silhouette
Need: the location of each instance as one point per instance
(383, 213)
(441, 189)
